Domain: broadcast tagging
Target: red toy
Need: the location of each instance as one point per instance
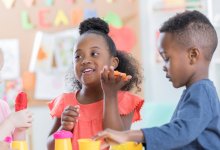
(21, 101)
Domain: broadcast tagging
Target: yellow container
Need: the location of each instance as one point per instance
(63, 144)
(19, 145)
(89, 144)
(63, 140)
(127, 146)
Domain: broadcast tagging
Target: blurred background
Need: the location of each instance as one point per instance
(37, 37)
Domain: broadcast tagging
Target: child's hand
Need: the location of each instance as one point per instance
(113, 81)
(69, 117)
(21, 119)
(111, 137)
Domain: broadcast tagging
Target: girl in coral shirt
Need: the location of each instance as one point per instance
(101, 100)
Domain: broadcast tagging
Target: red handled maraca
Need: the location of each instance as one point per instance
(21, 101)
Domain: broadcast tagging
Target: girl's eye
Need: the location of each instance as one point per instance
(77, 57)
(95, 53)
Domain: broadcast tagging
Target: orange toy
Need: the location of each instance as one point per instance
(123, 75)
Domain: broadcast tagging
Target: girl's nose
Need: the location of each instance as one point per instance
(165, 68)
(86, 61)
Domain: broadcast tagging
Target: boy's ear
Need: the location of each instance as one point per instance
(115, 62)
(193, 54)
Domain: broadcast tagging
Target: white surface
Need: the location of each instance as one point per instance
(41, 127)
(11, 68)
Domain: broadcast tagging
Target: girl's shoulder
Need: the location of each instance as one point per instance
(65, 97)
(58, 104)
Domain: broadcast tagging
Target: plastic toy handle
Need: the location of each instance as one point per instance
(21, 101)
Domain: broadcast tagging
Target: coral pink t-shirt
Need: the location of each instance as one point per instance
(91, 115)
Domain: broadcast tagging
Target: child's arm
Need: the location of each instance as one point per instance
(112, 137)
(111, 85)
(66, 122)
(50, 139)
(19, 134)
(21, 119)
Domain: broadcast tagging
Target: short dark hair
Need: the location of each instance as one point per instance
(127, 63)
(193, 29)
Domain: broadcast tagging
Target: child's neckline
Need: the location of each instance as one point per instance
(96, 102)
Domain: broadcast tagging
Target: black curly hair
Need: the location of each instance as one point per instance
(193, 29)
(127, 63)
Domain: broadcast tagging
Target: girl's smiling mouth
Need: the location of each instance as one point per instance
(88, 70)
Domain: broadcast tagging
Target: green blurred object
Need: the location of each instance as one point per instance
(158, 114)
(155, 114)
(113, 19)
(26, 24)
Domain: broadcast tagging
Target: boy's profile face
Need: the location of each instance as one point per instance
(177, 63)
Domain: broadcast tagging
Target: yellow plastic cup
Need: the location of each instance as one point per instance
(127, 146)
(63, 144)
(89, 144)
(63, 140)
(19, 145)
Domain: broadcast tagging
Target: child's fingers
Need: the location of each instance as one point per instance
(30, 119)
(111, 75)
(104, 74)
(72, 108)
(68, 118)
(128, 78)
(67, 125)
(104, 146)
(71, 111)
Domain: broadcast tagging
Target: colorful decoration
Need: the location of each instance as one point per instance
(41, 54)
(42, 16)
(28, 80)
(124, 38)
(8, 3)
(26, 24)
(89, 13)
(113, 19)
(61, 18)
(49, 2)
(77, 16)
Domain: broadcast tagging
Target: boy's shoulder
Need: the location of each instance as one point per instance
(202, 91)
(202, 85)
